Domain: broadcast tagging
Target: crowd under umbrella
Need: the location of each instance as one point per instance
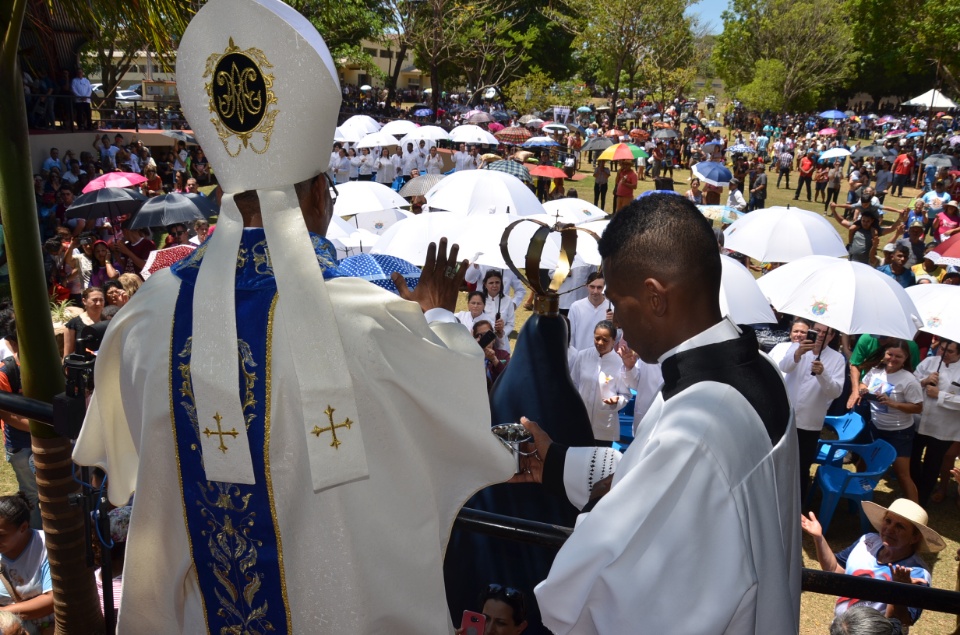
(938, 306)
(377, 140)
(833, 114)
(419, 186)
(573, 211)
(665, 133)
(470, 133)
(514, 135)
(940, 160)
(713, 173)
(114, 179)
(427, 133)
(948, 252)
(358, 197)
(540, 142)
(510, 167)
(483, 192)
(834, 153)
(623, 152)
(740, 297)
(109, 202)
(873, 151)
(850, 297)
(399, 127)
(596, 144)
(783, 234)
(172, 209)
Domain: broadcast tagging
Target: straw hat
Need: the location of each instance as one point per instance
(911, 512)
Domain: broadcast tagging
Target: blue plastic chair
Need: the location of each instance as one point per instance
(836, 483)
(848, 427)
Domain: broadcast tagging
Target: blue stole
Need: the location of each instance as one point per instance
(232, 529)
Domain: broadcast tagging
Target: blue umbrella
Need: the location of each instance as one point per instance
(741, 148)
(652, 192)
(377, 269)
(539, 142)
(833, 114)
(584, 109)
(713, 173)
(713, 123)
(423, 112)
(914, 135)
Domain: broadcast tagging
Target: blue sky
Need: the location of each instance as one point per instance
(710, 11)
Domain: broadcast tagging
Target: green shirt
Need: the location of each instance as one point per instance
(867, 345)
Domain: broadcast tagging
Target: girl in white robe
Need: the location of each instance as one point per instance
(498, 306)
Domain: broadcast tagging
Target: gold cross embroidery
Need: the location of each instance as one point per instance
(332, 428)
(220, 433)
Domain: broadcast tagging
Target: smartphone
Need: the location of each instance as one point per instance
(486, 339)
(812, 335)
(473, 623)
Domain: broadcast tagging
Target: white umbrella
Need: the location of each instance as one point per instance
(364, 123)
(470, 133)
(835, 153)
(347, 135)
(379, 221)
(740, 297)
(349, 240)
(429, 133)
(483, 192)
(939, 309)
(851, 297)
(399, 127)
(779, 283)
(573, 210)
(783, 234)
(485, 240)
(359, 197)
(408, 239)
(378, 140)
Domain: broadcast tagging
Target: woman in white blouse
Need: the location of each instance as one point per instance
(499, 306)
(474, 311)
(597, 374)
(434, 162)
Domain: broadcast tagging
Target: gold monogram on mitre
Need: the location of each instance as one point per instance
(241, 97)
(332, 428)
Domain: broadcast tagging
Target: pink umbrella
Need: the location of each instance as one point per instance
(828, 132)
(954, 140)
(896, 133)
(495, 127)
(114, 179)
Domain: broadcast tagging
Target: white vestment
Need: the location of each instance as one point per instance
(362, 557)
(699, 532)
(584, 318)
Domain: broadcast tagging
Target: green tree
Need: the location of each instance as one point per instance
(536, 91)
(344, 23)
(75, 597)
(675, 49)
(812, 39)
(763, 91)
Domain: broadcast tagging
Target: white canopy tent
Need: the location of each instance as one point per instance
(933, 98)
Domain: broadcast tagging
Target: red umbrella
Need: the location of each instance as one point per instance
(114, 179)
(548, 171)
(613, 133)
(495, 127)
(949, 252)
(515, 135)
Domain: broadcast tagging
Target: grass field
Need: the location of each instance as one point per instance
(817, 610)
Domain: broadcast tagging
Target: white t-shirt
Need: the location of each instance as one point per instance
(29, 574)
(900, 386)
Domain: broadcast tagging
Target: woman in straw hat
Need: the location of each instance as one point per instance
(889, 554)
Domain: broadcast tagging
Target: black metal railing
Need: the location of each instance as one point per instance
(528, 531)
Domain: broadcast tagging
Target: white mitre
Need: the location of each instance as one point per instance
(260, 90)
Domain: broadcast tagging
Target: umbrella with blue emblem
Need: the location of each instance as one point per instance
(378, 268)
(540, 142)
(741, 148)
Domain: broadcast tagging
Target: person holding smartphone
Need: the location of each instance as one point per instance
(494, 359)
(503, 612)
(813, 373)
